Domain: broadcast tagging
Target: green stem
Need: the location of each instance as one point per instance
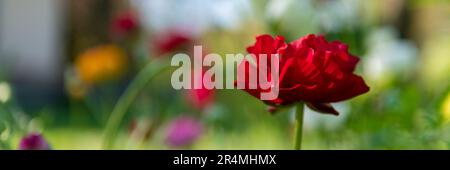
(298, 126)
(127, 98)
(5, 144)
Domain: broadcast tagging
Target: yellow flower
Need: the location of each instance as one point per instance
(445, 109)
(101, 63)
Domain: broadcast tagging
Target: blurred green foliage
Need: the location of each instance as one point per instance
(401, 111)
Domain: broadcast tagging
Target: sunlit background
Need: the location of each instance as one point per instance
(64, 64)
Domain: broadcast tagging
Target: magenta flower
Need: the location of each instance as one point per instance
(183, 131)
(33, 141)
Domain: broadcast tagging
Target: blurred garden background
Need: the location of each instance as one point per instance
(64, 65)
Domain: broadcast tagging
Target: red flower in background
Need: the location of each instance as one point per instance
(170, 41)
(199, 98)
(312, 70)
(124, 24)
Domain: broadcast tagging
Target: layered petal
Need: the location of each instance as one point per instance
(311, 70)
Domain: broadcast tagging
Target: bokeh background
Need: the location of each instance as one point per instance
(64, 64)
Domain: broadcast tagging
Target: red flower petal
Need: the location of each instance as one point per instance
(325, 108)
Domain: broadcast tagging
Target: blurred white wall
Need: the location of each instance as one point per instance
(193, 16)
(30, 39)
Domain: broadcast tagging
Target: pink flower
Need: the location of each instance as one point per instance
(183, 131)
(34, 141)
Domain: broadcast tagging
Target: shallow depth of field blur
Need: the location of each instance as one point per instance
(64, 64)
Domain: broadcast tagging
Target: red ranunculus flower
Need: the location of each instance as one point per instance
(311, 70)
